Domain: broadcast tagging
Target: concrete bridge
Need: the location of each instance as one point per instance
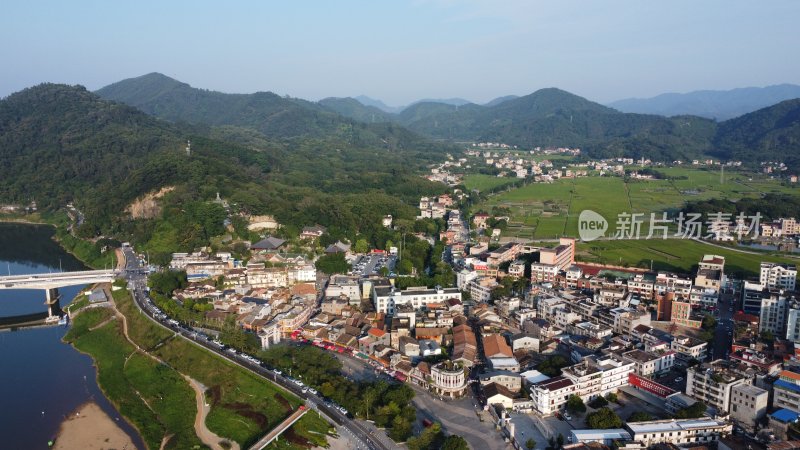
(57, 280)
(283, 426)
(50, 282)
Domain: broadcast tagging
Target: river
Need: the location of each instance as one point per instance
(41, 378)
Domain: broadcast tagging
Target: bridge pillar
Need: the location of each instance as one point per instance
(52, 298)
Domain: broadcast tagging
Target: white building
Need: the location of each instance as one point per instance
(647, 364)
(793, 323)
(597, 376)
(687, 431)
(774, 309)
(551, 395)
(386, 298)
(778, 276)
(688, 348)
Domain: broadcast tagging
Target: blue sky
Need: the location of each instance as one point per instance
(400, 51)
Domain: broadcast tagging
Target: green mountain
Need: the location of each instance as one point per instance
(769, 134)
(274, 116)
(552, 117)
(352, 108)
(65, 144)
(61, 144)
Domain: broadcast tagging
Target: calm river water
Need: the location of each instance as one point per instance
(41, 378)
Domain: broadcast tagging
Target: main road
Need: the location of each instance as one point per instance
(136, 276)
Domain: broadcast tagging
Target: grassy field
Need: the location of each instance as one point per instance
(678, 255)
(547, 210)
(244, 405)
(152, 396)
(483, 182)
(157, 399)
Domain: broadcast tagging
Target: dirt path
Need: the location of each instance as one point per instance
(208, 437)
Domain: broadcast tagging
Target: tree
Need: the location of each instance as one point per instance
(598, 402)
(361, 246)
(530, 444)
(575, 405)
(603, 418)
(560, 439)
(332, 263)
(639, 416)
(401, 429)
(552, 365)
(612, 397)
(429, 438)
(454, 442)
(692, 412)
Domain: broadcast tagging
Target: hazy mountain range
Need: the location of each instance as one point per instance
(548, 117)
(719, 105)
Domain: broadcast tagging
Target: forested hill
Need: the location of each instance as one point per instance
(769, 134)
(274, 116)
(61, 144)
(553, 117)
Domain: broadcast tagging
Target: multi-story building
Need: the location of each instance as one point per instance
(647, 364)
(748, 405)
(669, 282)
(562, 256)
(544, 273)
(752, 294)
(268, 277)
(589, 329)
(449, 379)
(341, 285)
(551, 395)
(642, 285)
(387, 298)
(685, 431)
(507, 252)
(712, 384)
(480, 289)
(510, 380)
(786, 391)
(687, 348)
(598, 375)
(778, 276)
(773, 313)
(793, 322)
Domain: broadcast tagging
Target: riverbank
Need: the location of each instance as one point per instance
(91, 254)
(91, 428)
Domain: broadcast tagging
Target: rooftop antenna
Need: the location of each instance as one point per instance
(188, 148)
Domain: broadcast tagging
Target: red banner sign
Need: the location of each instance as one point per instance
(649, 385)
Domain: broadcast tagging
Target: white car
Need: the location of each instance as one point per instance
(567, 416)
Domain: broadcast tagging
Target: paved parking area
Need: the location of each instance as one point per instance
(525, 428)
(462, 418)
(367, 265)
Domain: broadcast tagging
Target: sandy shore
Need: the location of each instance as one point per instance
(91, 428)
